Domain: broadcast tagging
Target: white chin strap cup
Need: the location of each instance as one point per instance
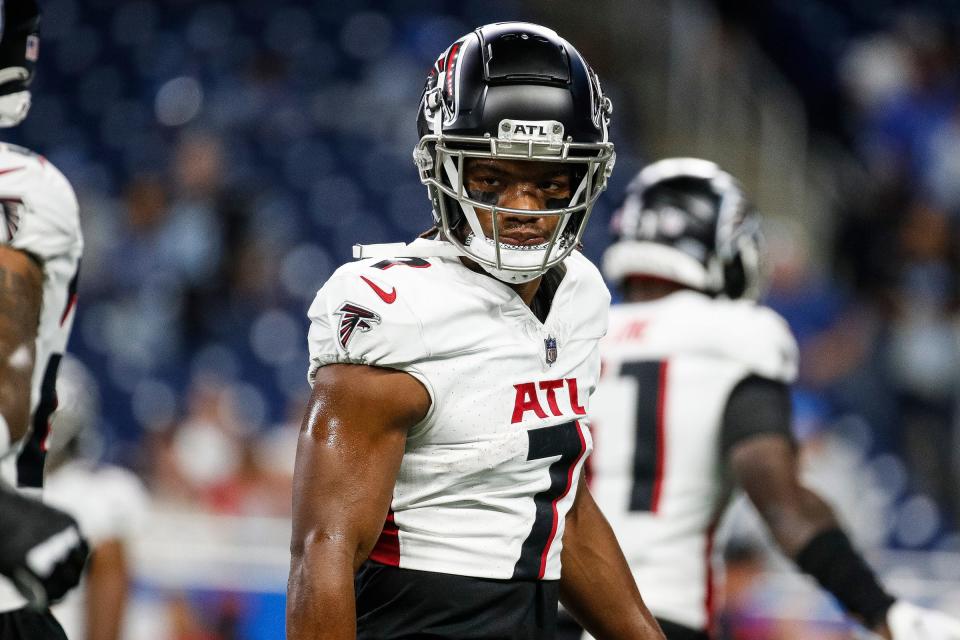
(14, 108)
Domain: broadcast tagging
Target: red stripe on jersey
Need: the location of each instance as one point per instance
(553, 506)
(71, 295)
(387, 549)
(71, 303)
(708, 598)
(661, 436)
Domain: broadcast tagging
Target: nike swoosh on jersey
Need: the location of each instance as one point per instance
(389, 298)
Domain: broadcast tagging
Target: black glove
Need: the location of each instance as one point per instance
(41, 549)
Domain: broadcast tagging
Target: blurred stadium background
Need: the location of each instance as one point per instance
(227, 154)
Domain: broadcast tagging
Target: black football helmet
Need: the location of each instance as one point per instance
(19, 48)
(687, 221)
(514, 91)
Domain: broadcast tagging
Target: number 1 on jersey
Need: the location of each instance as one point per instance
(650, 433)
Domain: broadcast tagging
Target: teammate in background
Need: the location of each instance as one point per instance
(696, 395)
(109, 503)
(41, 550)
(437, 478)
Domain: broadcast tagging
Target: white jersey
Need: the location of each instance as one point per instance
(669, 368)
(489, 474)
(110, 504)
(39, 215)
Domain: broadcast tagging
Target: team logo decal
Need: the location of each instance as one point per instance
(10, 213)
(352, 318)
(550, 348)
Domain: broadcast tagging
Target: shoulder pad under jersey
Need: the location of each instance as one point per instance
(358, 317)
(38, 209)
(755, 335)
(689, 322)
(591, 298)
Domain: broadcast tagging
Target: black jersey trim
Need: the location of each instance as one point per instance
(34, 452)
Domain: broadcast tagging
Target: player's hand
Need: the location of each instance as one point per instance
(910, 622)
(41, 549)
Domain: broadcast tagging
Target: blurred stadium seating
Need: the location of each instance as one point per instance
(227, 154)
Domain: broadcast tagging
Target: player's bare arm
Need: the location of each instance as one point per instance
(21, 290)
(766, 467)
(348, 455)
(107, 584)
(596, 585)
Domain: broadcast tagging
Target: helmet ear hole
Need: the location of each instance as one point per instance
(734, 278)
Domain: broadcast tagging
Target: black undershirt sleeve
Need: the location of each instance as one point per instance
(756, 406)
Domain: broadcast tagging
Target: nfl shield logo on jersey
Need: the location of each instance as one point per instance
(550, 345)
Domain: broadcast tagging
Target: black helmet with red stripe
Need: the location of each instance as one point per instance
(688, 221)
(19, 48)
(514, 91)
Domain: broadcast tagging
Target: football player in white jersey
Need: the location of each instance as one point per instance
(696, 395)
(41, 551)
(437, 478)
(109, 502)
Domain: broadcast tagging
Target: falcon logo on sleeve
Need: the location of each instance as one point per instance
(10, 211)
(353, 317)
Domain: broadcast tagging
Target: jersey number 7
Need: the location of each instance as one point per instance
(565, 440)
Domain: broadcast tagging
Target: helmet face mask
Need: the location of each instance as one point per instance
(687, 221)
(512, 92)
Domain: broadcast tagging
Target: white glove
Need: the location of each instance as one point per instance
(910, 622)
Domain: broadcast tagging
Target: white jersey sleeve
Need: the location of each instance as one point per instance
(109, 503)
(357, 318)
(40, 211)
(39, 216)
(758, 338)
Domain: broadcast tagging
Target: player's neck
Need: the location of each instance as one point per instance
(526, 290)
(646, 289)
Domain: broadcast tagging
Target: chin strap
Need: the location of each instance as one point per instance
(433, 249)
